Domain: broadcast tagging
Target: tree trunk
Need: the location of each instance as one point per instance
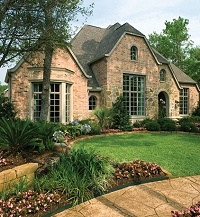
(46, 82)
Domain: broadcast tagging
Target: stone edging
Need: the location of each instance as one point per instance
(11, 176)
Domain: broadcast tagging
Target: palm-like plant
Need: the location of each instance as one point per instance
(17, 135)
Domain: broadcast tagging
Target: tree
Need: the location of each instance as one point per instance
(192, 63)
(17, 30)
(53, 19)
(173, 42)
(37, 25)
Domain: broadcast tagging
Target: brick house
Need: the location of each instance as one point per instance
(100, 65)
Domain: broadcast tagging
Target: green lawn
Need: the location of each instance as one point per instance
(177, 153)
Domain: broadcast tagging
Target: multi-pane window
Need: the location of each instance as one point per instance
(134, 94)
(183, 101)
(133, 53)
(37, 91)
(67, 103)
(55, 102)
(162, 75)
(56, 112)
(92, 102)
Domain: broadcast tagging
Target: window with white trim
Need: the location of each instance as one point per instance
(183, 101)
(57, 112)
(134, 94)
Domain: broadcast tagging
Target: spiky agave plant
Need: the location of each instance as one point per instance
(17, 135)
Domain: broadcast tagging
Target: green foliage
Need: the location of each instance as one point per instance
(104, 116)
(45, 131)
(14, 189)
(6, 108)
(120, 115)
(79, 175)
(192, 63)
(73, 130)
(196, 111)
(18, 135)
(173, 42)
(95, 128)
(167, 124)
(152, 125)
(3, 88)
(187, 125)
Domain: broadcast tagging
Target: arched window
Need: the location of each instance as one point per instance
(92, 102)
(133, 53)
(162, 75)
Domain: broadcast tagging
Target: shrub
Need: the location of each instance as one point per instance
(187, 125)
(167, 124)
(79, 175)
(104, 117)
(152, 125)
(45, 131)
(120, 115)
(18, 135)
(95, 128)
(6, 108)
(196, 111)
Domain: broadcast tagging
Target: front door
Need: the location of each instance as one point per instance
(162, 105)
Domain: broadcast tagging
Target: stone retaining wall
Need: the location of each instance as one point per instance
(11, 176)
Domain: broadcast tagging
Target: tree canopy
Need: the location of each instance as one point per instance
(174, 43)
(37, 25)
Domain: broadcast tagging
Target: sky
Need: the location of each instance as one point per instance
(147, 16)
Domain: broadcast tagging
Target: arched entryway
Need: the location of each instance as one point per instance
(163, 105)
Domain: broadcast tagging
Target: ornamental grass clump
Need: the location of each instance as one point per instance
(78, 175)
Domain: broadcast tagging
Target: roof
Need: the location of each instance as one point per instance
(93, 43)
(181, 76)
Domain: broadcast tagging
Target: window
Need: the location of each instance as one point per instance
(162, 75)
(183, 102)
(92, 102)
(133, 53)
(56, 111)
(134, 94)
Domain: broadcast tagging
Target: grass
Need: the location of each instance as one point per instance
(177, 153)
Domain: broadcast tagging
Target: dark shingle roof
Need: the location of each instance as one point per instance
(160, 57)
(113, 34)
(93, 43)
(84, 46)
(181, 76)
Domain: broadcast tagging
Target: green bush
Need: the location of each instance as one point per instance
(152, 125)
(6, 108)
(18, 135)
(104, 117)
(45, 131)
(167, 124)
(80, 174)
(120, 115)
(95, 128)
(196, 111)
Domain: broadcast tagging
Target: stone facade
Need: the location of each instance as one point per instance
(64, 70)
(81, 64)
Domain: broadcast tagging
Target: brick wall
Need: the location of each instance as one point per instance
(64, 69)
(109, 72)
